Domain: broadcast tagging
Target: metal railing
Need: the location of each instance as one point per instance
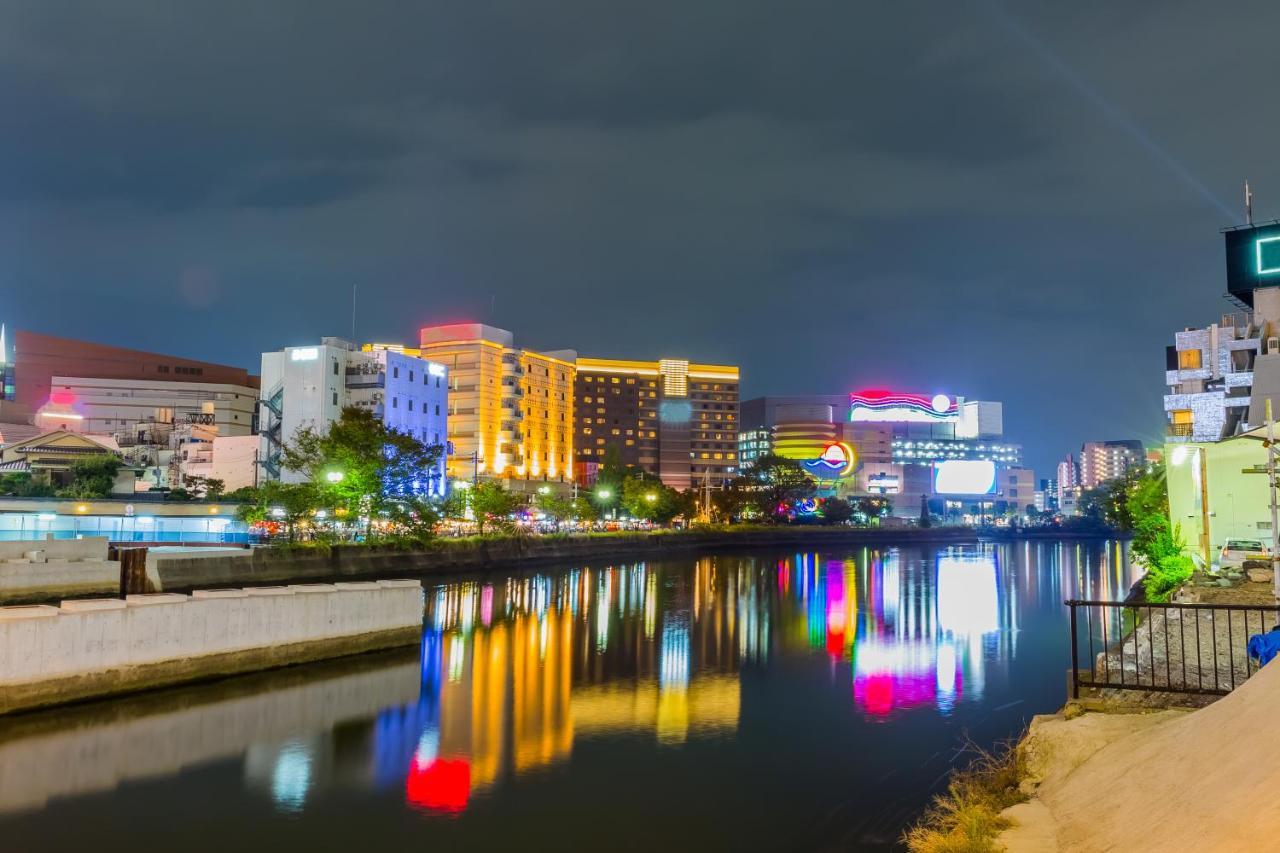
(1179, 430)
(1166, 648)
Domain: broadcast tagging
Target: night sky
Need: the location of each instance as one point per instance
(1019, 203)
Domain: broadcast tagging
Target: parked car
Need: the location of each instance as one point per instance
(1235, 551)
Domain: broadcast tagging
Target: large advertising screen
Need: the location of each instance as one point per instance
(964, 477)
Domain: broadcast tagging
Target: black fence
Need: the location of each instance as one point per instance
(1168, 648)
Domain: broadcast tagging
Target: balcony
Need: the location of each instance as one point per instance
(1179, 430)
(366, 377)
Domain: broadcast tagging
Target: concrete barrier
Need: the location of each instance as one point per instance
(84, 649)
(42, 569)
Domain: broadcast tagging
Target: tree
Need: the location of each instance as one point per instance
(556, 507)
(284, 503)
(92, 477)
(492, 504)
(209, 488)
(584, 510)
(837, 511)
(731, 502)
(363, 468)
(925, 519)
(775, 484)
(645, 496)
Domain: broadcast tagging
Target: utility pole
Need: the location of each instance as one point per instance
(1271, 489)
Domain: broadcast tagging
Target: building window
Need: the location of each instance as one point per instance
(395, 402)
(335, 367)
(1189, 359)
(395, 373)
(1181, 416)
(335, 398)
(410, 375)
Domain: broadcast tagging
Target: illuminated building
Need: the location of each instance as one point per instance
(309, 386)
(905, 446)
(1101, 461)
(1068, 484)
(1218, 377)
(510, 410)
(671, 418)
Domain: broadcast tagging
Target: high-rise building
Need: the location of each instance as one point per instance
(1049, 486)
(1068, 483)
(510, 410)
(1101, 461)
(309, 386)
(671, 418)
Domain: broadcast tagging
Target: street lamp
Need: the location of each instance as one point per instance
(651, 497)
(604, 494)
(334, 476)
(544, 490)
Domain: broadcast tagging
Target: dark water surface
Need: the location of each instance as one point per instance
(758, 702)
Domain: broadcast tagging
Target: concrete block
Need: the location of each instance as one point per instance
(220, 593)
(28, 611)
(85, 605)
(403, 583)
(268, 590)
(148, 599)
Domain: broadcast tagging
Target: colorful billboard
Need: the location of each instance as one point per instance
(837, 460)
(878, 406)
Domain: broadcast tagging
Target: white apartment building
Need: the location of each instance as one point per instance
(309, 386)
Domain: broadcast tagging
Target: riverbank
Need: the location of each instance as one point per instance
(178, 572)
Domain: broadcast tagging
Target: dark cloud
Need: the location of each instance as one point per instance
(1018, 202)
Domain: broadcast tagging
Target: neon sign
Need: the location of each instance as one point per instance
(1271, 264)
(964, 477)
(891, 407)
(836, 460)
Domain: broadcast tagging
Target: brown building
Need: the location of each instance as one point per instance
(670, 418)
(39, 358)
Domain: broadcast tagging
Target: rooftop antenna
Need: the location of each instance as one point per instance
(1248, 203)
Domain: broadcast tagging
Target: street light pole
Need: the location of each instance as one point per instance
(1271, 489)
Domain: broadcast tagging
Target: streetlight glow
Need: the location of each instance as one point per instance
(334, 476)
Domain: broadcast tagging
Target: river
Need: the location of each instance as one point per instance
(766, 701)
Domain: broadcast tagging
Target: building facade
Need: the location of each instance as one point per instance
(946, 450)
(1103, 461)
(37, 359)
(117, 406)
(309, 386)
(510, 410)
(670, 418)
(1218, 378)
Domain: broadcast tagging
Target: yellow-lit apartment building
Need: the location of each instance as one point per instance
(510, 409)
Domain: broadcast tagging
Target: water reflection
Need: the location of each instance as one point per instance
(516, 673)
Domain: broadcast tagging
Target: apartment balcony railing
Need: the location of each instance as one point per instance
(1179, 430)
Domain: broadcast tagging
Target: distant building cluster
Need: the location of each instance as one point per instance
(529, 419)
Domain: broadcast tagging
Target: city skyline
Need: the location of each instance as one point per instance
(199, 187)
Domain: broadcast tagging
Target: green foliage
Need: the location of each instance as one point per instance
(557, 507)
(584, 510)
(1166, 575)
(92, 477)
(644, 496)
(360, 468)
(209, 488)
(244, 493)
(24, 485)
(492, 504)
(178, 495)
(771, 488)
(286, 503)
(837, 511)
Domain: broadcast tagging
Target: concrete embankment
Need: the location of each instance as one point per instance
(98, 647)
(1173, 780)
(53, 568)
(95, 748)
(268, 565)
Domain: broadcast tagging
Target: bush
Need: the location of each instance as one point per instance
(1167, 575)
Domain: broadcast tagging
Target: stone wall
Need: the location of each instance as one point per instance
(96, 647)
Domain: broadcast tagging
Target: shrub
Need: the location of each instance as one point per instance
(1166, 575)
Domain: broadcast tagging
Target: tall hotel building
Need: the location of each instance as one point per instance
(510, 410)
(670, 418)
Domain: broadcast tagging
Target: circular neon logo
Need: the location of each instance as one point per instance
(941, 403)
(836, 460)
